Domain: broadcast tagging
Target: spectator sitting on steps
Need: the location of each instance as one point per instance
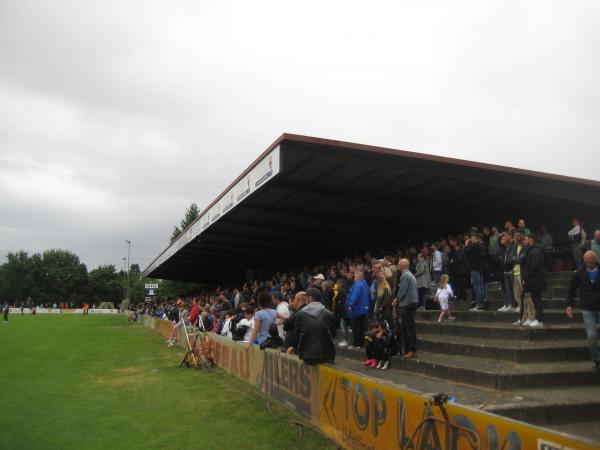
(378, 353)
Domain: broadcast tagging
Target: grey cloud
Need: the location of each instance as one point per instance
(114, 116)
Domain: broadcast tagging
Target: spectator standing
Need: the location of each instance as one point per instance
(474, 253)
(5, 310)
(443, 295)
(534, 278)
(522, 228)
(194, 314)
(594, 244)
(283, 310)
(407, 299)
(314, 329)
(545, 240)
(247, 324)
(587, 280)
(357, 305)
(340, 312)
(523, 299)
(508, 253)
(437, 264)
(383, 304)
(494, 254)
(577, 238)
(389, 269)
(263, 319)
(458, 269)
(227, 328)
(423, 277)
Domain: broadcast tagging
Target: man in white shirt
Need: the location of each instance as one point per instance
(283, 311)
(437, 264)
(248, 321)
(577, 237)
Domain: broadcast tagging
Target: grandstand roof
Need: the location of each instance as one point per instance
(306, 199)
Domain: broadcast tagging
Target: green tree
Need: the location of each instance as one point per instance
(105, 285)
(64, 277)
(15, 277)
(191, 214)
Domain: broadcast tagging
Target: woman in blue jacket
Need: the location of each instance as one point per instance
(357, 305)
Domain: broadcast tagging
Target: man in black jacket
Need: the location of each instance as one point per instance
(314, 329)
(508, 251)
(474, 253)
(534, 278)
(587, 280)
(458, 269)
(296, 304)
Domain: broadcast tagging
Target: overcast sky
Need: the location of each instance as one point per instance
(115, 115)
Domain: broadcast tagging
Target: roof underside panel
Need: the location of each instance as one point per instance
(337, 199)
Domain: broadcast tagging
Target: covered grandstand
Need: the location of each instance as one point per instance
(306, 199)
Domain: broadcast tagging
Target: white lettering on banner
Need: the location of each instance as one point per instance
(260, 174)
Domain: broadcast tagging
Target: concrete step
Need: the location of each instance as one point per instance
(507, 350)
(550, 316)
(494, 374)
(551, 406)
(548, 294)
(552, 332)
(573, 409)
(559, 276)
(493, 305)
(551, 292)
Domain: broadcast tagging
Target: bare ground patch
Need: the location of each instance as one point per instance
(124, 376)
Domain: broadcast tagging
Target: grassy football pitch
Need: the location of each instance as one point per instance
(98, 382)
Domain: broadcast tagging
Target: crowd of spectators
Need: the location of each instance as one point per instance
(306, 311)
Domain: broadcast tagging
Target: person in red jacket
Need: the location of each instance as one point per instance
(194, 313)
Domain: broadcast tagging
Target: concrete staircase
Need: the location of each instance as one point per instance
(548, 366)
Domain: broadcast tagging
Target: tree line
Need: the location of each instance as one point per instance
(58, 276)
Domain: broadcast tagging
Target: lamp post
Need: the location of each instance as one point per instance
(128, 270)
(124, 278)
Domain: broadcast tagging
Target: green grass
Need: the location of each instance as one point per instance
(98, 382)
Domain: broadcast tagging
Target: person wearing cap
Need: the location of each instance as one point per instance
(314, 329)
(318, 280)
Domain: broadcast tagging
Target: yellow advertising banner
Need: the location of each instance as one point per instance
(280, 377)
(360, 413)
(364, 414)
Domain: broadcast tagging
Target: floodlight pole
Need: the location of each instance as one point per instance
(128, 270)
(124, 278)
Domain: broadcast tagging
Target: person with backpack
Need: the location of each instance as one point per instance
(314, 329)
